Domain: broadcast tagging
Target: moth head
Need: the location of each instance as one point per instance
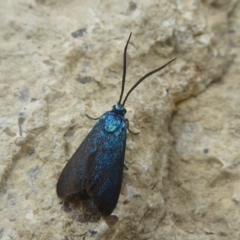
(119, 109)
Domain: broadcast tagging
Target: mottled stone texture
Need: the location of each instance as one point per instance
(62, 59)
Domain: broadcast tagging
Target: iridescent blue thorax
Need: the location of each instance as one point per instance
(114, 121)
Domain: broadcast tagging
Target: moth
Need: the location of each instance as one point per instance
(95, 171)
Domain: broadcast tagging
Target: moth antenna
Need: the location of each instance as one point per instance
(124, 68)
(144, 77)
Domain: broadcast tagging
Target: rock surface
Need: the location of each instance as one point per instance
(62, 59)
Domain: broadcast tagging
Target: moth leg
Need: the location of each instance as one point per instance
(127, 122)
(92, 117)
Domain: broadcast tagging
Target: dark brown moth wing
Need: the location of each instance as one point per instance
(96, 168)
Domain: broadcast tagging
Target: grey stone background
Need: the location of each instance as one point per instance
(62, 59)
